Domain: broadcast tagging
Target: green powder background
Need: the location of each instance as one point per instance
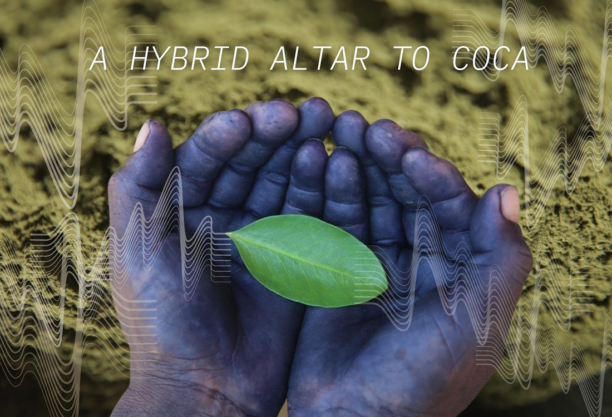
(439, 103)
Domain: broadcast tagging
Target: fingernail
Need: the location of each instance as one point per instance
(424, 149)
(142, 136)
(510, 205)
(411, 157)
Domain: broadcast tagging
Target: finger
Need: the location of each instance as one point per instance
(444, 192)
(316, 120)
(268, 193)
(142, 177)
(387, 143)
(497, 238)
(272, 124)
(345, 207)
(441, 182)
(345, 203)
(503, 262)
(349, 132)
(201, 157)
(306, 192)
(449, 203)
(385, 212)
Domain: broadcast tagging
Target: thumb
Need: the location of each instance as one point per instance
(497, 238)
(143, 176)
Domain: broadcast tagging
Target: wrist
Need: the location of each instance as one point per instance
(162, 386)
(153, 397)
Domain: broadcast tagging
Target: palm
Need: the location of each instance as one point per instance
(356, 361)
(232, 342)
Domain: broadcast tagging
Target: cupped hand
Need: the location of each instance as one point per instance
(412, 351)
(226, 351)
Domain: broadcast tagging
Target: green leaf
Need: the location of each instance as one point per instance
(310, 261)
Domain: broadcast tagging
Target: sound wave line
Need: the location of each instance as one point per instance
(532, 343)
(536, 33)
(142, 242)
(564, 159)
(529, 341)
(33, 320)
(33, 324)
(26, 97)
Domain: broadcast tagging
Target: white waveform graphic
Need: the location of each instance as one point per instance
(456, 278)
(27, 97)
(530, 342)
(32, 319)
(537, 34)
(33, 323)
(143, 241)
(455, 272)
(564, 159)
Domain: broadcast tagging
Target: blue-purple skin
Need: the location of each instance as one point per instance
(352, 361)
(228, 351)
